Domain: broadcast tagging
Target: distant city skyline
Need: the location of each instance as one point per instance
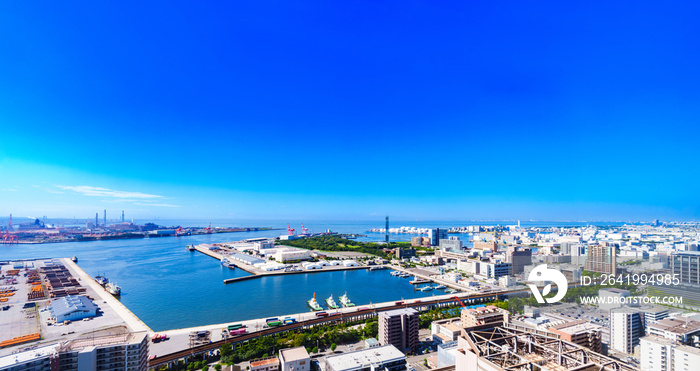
(426, 111)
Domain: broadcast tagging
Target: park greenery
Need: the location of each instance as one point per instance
(338, 243)
(324, 336)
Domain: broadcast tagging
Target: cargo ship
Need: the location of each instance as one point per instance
(345, 301)
(331, 303)
(226, 263)
(314, 304)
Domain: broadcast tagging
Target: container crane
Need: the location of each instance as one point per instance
(207, 230)
(290, 230)
(304, 230)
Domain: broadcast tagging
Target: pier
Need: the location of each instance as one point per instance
(256, 273)
(304, 321)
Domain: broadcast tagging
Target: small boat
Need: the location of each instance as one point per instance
(426, 288)
(395, 273)
(331, 303)
(113, 289)
(450, 291)
(345, 301)
(190, 247)
(439, 287)
(226, 263)
(314, 304)
(74, 259)
(102, 280)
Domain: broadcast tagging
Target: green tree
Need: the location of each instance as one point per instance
(217, 367)
(333, 346)
(314, 350)
(226, 350)
(205, 368)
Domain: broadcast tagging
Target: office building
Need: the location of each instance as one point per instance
(295, 359)
(489, 315)
(451, 244)
(518, 258)
(437, 234)
(404, 253)
(686, 265)
(602, 259)
(626, 327)
(383, 358)
(580, 332)
(399, 328)
(482, 245)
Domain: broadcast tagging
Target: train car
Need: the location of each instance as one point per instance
(321, 314)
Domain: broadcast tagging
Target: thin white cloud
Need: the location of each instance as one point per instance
(8, 190)
(105, 192)
(154, 204)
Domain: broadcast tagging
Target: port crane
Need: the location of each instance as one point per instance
(9, 238)
(207, 230)
(304, 230)
(290, 230)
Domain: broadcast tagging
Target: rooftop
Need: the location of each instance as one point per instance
(69, 304)
(294, 354)
(366, 357)
(676, 325)
(399, 312)
(264, 362)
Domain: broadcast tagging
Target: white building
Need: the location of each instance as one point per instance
(350, 263)
(612, 298)
(383, 358)
(288, 255)
(295, 359)
(626, 327)
(659, 354)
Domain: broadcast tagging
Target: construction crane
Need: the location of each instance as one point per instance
(290, 230)
(304, 230)
(207, 230)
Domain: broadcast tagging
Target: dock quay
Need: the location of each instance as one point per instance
(256, 273)
(177, 348)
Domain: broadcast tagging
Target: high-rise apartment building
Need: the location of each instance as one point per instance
(626, 327)
(660, 354)
(399, 328)
(489, 315)
(602, 259)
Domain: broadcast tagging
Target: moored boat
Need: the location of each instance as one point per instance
(102, 280)
(345, 301)
(426, 288)
(190, 247)
(314, 304)
(113, 289)
(331, 303)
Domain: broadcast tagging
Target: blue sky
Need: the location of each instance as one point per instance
(421, 110)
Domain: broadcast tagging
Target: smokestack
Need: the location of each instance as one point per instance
(122, 216)
(105, 224)
(96, 216)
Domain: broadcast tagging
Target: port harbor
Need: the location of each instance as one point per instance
(236, 255)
